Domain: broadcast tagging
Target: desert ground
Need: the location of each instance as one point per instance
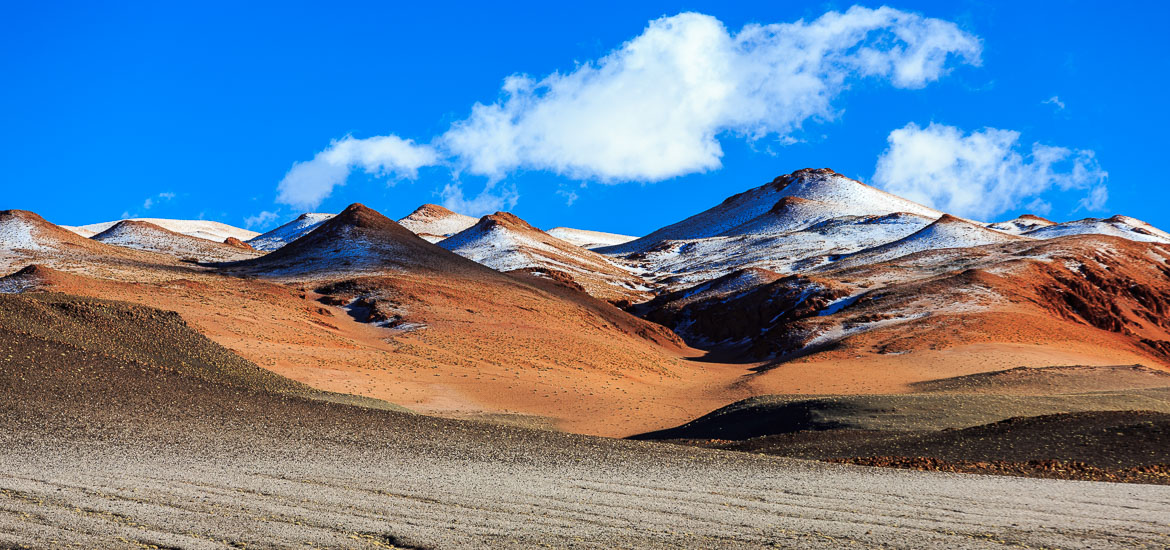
(359, 386)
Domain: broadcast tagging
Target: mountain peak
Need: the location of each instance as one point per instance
(508, 220)
(23, 215)
(435, 221)
(358, 241)
(131, 225)
(780, 182)
(432, 211)
(360, 215)
(21, 229)
(948, 219)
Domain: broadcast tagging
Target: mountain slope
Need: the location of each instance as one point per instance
(152, 238)
(1117, 226)
(946, 232)
(434, 223)
(203, 229)
(830, 194)
(1022, 224)
(288, 232)
(505, 242)
(358, 241)
(26, 238)
(679, 264)
(585, 238)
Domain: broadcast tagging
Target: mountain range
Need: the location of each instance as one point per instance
(811, 283)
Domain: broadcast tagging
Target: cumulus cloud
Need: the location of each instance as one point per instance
(655, 107)
(161, 197)
(983, 173)
(570, 196)
(1055, 101)
(308, 183)
(261, 220)
(493, 198)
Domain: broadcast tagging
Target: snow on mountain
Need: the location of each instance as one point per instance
(288, 232)
(837, 196)
(1021, 225)
(435, 223)
(687, 262)
(946, 232)
(505, 242)
(21, 230)
(1117, 226)
(142, 235)
(80, 231)
(585, 238)
(357, 242)
(27, 238)
(203, 229)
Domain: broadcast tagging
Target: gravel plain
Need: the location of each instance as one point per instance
(122, 428)
(422, 489)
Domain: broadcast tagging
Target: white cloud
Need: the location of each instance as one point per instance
(655, 107)
(486, 202)
(1054, 100)
(1095, 200)
(570, 196)
(262, 220)
(1039, 207)
(308, 183)
(161, 197)
(982, 173)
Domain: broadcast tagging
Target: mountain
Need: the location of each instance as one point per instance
(677, 264)
(938, 311)
(1117, 226)
(358, 241)
(794, 223)
(585, 238)
(505, 242)
(27, 238)
(203, 229)
(946, 232)
(1022, 224)
(435, 223)
(80, 231)
(23, 230)
(288, 232)
(142, 235)
(827, 282)
(828, 195)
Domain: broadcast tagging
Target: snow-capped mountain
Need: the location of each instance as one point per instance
(1117, 226)
(203, 229)
(505, 242)
(146, 236)
(824, 195)
(435, 223)
(288, 232)
(1022, 224)
(585, 238)
(358, 241)
(946, 232)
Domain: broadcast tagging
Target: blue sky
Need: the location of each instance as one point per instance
(203, 109)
